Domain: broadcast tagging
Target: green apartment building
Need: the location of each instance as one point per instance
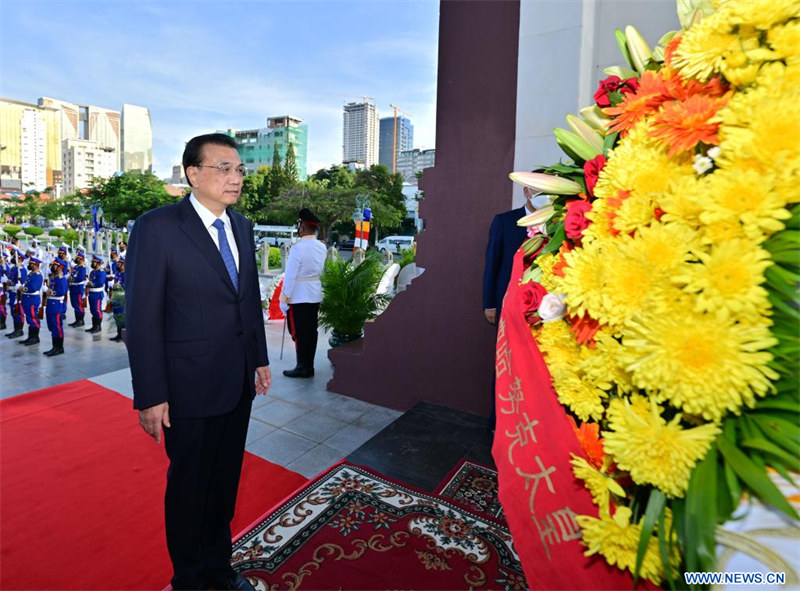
(256, 146)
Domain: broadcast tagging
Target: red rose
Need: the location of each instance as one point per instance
(610, 84)
(575, 221)
(591, 170)
(629, 85)
(531, 294)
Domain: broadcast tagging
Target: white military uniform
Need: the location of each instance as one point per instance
(301, 284)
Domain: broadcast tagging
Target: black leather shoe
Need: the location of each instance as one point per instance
(239, 583)
(298, 372)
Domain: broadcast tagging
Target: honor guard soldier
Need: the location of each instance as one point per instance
(123, 248)
(302, 293)
(77, 285)
(31, 299)
(56, 296)
(3, 289)
(97, 288)
(17, 274)
(111, 269)
(118, 299)
(63, 254)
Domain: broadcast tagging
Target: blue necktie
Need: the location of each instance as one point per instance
(225, 251)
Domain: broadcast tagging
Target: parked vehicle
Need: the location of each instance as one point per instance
(347, 245)
(395, 244)
(275, 235)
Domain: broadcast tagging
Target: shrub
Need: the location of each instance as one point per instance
(274, 257)
(34, 231)
(70, 236)
(12, 230)
(57, 232)
(407, 257)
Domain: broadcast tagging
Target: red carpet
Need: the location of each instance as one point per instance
(82, 489)
(475, 487)
(350, 528)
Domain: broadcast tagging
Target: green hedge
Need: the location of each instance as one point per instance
(12, 230)
(274, 257)
(34, 231)
(70, 236)
(57, 232)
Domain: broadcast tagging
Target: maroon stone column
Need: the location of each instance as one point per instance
(433, 343)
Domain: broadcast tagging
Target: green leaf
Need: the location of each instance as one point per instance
(778, 403)
(555, 242)
(609, 141)
(701, 512)
(762, 444)
(655, 509)
(755, 478)
(665, 540)
(782, 432)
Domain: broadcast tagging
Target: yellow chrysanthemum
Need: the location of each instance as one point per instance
(584, 278)
(601, 486)
(631, 164)
(634, 212)
(744, 195)
(759, 133)
(601, 364)
(758, 14)
(583, 398)
(618, 408)
(728, 280)
(704, 48)
(545, 262)
(680, 201)
(725, 231)
(656, 452)
(558, 347)
(785, 39)
(617, 540)
(699, 363)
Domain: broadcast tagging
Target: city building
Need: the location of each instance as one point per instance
(178, 176)
(410, 162)
(137, 139)
(391, 143)
(87, 122)
(360, 135)
(30, 146)
(256, 147)
(83, 161)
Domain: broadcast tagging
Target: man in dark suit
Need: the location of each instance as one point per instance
(505, 238)
(198, 354)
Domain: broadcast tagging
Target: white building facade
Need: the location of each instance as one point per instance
(33, 144)
(137, 139)
(360, 135)
(84, 160)
(410, 162)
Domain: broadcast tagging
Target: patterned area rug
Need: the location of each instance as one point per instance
(350, 528)
(475, 487)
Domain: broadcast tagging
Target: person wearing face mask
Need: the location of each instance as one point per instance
(56, 296)
(117, 295)
(97, 289)
(31, 299)
(17, 274)
(3, 290)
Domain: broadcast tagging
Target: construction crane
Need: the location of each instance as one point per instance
(394, 140)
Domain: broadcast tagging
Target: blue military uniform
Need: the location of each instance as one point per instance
(118, 299)
(55, 300)
(31, 299)
(17, 274)
(77, 286)
(63, 255)
(97, 288)
(3, 290)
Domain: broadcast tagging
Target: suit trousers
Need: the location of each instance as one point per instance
(302, 321)
(205, 457)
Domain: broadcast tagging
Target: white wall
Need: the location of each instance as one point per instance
(564, 45)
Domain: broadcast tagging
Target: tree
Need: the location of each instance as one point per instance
(128, 195)
(387, 189)
(276, 177)
(254, 196)
(290, 166)
(335, 176)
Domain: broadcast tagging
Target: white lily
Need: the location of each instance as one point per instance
(540, 216)
(546, 183)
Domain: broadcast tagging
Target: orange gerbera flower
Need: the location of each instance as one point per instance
(584, 329)
(681, 125)
(670, 49)
(588, 435)
(614, 203)
(635, 106)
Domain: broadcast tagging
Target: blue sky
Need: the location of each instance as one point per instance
(206, 65)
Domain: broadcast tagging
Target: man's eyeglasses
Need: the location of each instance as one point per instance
(225, 168)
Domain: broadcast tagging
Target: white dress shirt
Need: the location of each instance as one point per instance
(209, 218)
(301, 284)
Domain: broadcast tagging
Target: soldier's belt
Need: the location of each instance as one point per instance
(96, 289)
(313, 278)
(78, 284)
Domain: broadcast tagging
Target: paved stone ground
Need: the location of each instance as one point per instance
(299, 425)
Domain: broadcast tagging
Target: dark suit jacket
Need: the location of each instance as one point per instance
(505, 238)
(193, 340)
